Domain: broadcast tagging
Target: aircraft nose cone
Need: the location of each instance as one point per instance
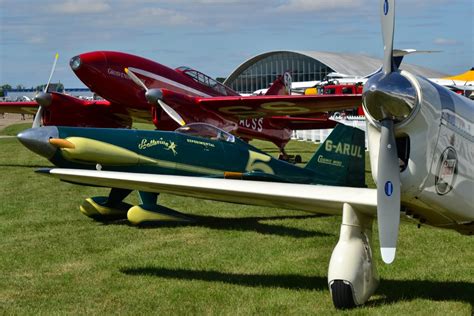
(90, 68)
(93, 61)
(75, 62)
(44, 99)
(389, 96)
(37, 140)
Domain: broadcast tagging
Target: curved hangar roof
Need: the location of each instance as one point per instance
(350, 64)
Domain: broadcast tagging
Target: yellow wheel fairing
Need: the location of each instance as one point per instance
(137, 215)
(91, 208)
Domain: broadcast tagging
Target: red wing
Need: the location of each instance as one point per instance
(19, 107)
(67, 110)
(303, 123)
(191, 111)
(278, 105)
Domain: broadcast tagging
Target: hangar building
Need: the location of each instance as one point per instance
(260, 71)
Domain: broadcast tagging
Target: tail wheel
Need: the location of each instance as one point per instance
(342, 295)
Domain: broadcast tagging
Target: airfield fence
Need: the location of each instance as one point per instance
(320, 135)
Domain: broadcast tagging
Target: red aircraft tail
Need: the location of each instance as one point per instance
(281, 86)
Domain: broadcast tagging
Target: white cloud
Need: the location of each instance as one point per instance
(37, 39)
(320, 5)
(80, 6)
(156, 16)
(445, 41)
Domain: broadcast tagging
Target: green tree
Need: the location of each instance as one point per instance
(59, 87)
(3, 88)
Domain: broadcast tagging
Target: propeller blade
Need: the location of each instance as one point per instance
(388, 192)
(38, 116)
(388, 27)
(52, 71)
(172, 113)
(154, 95)
(44, 98)
(135, 79)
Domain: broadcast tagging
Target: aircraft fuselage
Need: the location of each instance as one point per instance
(103, 72)
(438, 179)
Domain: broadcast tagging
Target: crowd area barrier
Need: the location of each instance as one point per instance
(320, 135)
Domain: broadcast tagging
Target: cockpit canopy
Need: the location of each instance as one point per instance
(206, 80)
(206, 131)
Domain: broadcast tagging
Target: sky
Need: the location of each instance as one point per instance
(215, 36)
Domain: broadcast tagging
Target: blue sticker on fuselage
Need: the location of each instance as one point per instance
(388, 188)
(385, 7)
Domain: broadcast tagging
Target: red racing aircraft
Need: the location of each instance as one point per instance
(192, 94)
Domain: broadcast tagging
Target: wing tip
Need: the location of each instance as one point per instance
(46, 171)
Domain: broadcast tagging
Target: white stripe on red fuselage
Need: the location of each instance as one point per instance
(173, 85)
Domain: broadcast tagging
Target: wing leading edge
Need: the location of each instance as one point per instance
(310, 198)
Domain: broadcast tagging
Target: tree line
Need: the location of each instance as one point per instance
(7, 87)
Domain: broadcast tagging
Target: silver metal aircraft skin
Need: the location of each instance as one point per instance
(422, 153)
(437, 183)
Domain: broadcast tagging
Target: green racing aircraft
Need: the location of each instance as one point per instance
(196, 149)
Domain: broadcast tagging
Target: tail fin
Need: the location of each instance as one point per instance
(281, 86)
(340, 160)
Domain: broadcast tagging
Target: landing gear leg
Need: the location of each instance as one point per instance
(283, 155)
(289, 158)
(107, 207)
(352, 275)
(150, 213)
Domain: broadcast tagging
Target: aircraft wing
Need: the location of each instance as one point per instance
(68, 110)
(278, 105)
(57, 100)
(304, 123)
(29, 107)
(239, 107)
(311, 198)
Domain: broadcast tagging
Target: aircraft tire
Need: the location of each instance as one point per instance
(298, 159)
(342, 297)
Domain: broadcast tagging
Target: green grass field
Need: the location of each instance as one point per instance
(236, 260)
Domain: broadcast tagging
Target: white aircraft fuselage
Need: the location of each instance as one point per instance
(438, 181)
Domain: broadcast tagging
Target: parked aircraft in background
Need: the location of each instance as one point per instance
(421, 148)
(197, 149)
(197, 97)
(461, 84)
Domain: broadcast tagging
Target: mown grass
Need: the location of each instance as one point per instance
(235, 260)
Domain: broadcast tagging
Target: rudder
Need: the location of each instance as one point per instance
(340, 160)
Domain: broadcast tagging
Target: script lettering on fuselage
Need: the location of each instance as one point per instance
(116, 73)
(200, 142)
(256, 124)
(344, 149)
(145, 143)
(328, 161)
